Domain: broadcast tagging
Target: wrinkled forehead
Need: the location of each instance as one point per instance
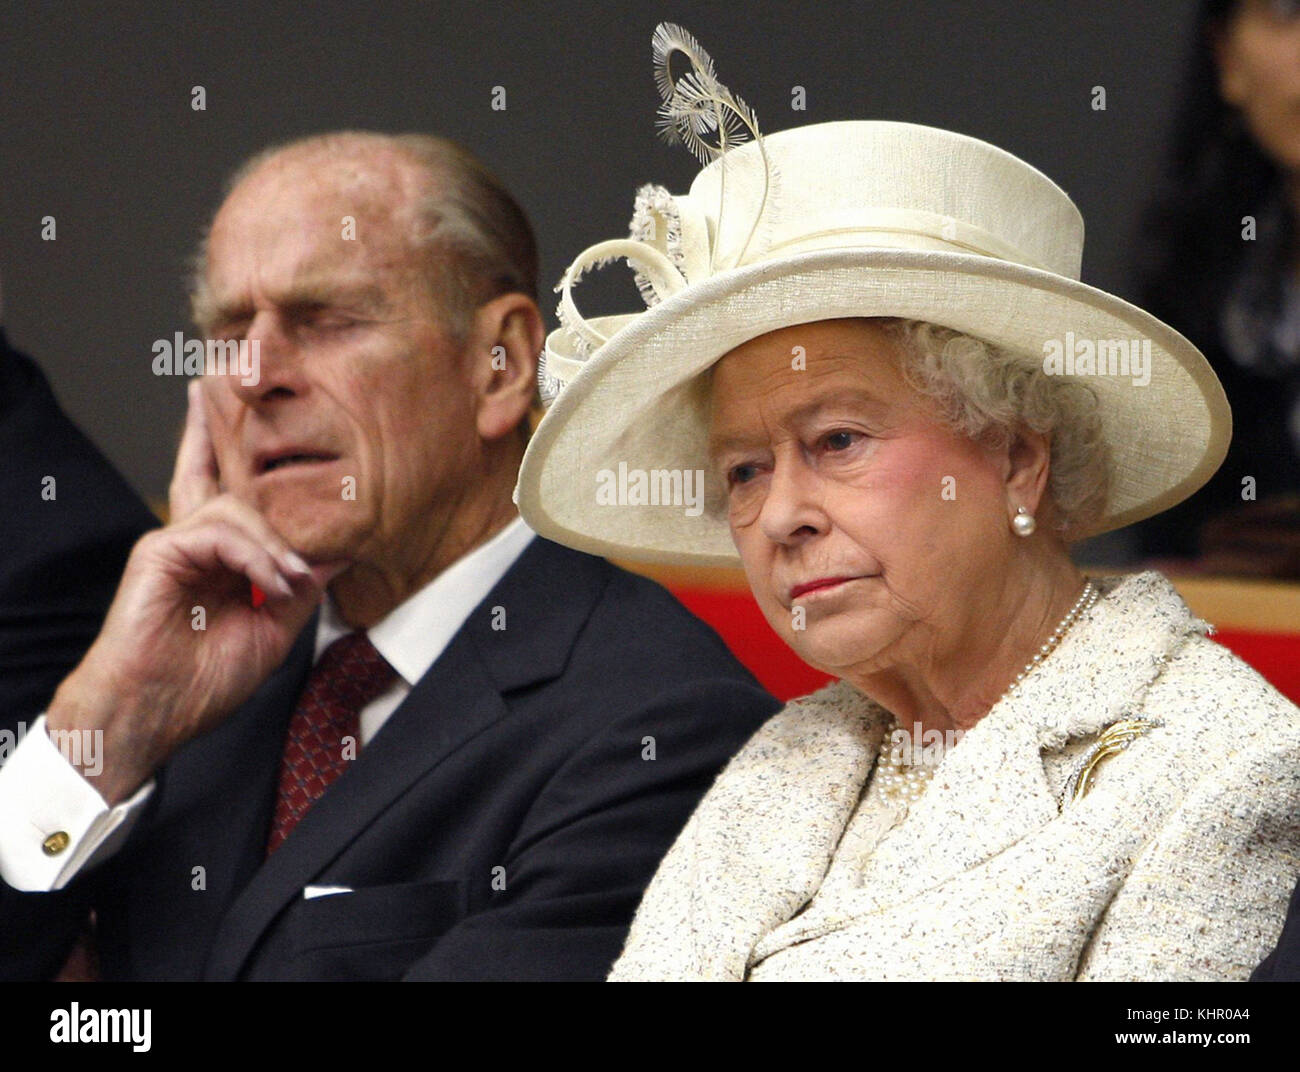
(360, 173)
(337, 202)
(789, 377)
(300, 237)
(798, 360)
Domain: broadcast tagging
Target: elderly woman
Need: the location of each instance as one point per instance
(870, 343)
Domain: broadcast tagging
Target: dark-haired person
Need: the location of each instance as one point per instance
(1223, 267)
(466, 761)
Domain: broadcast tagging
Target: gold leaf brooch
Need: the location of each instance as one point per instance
(1113, 739)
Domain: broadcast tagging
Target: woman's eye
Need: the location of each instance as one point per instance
(838, 441)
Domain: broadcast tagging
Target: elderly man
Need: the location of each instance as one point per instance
(469, 762)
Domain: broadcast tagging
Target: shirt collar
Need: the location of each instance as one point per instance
(416, 632)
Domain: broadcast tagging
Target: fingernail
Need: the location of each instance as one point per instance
(283, 586)
(296, 563)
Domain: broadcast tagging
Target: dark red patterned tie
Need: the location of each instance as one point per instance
(348, 675)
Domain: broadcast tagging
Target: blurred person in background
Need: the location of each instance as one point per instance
(1223, 267)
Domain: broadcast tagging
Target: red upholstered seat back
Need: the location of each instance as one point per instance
(731, 610)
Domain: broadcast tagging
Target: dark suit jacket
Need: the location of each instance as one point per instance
(501, 825)
(1283, 964)
(60, 558)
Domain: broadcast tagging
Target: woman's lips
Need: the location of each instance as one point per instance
(820, 583)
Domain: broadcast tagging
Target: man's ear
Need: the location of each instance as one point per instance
(1028, 464)
(506, 338)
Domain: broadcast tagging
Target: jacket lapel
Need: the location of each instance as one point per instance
(548, 594)
(992, 789)
(758, 845)
(223, 805)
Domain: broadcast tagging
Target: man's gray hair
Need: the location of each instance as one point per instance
(477, 241)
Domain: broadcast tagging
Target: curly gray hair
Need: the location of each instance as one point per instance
(986, 391)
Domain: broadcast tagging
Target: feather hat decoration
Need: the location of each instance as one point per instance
(856, 218)
(670, 243)
(696, 110)
(696, 106)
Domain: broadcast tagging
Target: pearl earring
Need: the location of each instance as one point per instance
(1023, 523)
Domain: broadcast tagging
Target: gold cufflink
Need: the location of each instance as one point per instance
(56, 843)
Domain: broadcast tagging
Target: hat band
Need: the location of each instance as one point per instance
(663, 278)
(947, 230)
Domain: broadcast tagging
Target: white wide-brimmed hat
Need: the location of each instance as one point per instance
(845, 219)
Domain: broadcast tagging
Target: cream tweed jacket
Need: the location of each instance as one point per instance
(1177, 864)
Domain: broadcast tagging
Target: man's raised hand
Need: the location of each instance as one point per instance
(183, 645)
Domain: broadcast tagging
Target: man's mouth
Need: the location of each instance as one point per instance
(269, 463)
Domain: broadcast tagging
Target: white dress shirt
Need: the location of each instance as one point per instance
(42, 794)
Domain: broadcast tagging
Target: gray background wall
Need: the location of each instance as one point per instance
(96, 129)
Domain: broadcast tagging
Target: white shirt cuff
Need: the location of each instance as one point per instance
(53, 822)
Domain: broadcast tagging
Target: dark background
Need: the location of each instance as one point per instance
(97, 130)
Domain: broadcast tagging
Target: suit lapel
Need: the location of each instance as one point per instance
(547, 595)
(224, 805)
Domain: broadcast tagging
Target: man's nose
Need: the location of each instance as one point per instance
(792, 509)
(274, 359)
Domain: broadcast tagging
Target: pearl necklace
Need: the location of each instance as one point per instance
(1089, 596)
(904, 783)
